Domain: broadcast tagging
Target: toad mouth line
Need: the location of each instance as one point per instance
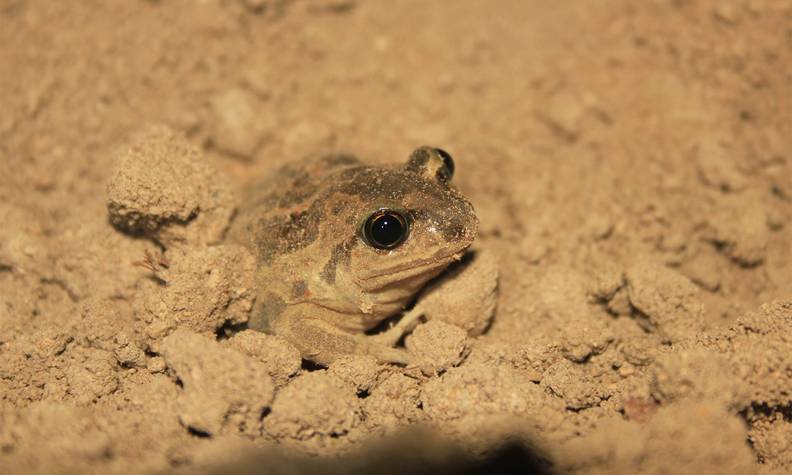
(414, 268)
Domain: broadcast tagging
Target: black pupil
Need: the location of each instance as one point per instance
(386, 230)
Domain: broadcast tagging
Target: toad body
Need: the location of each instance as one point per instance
(342, 247)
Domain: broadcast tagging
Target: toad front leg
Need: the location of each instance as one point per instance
(323, 343)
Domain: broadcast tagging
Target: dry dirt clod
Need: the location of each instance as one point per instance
(564, 114)
(236, 125)
(163, 187)
(666, 301)
(223, 390)
(207, 287)
(668, 443)
(770, 438)
(72, 435)
(466, 295)
(280, 357)
(757, 348)
(91, 375)
(316, 411)
(739, 230)
(439, 345)
(562, 296)
(697, 374)
(104, 327)
(716, 165)
(573, 385)
(705, 269)
(394, 403)
(360, 371)
(482, 390)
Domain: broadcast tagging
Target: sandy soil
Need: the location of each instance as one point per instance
(629, 161)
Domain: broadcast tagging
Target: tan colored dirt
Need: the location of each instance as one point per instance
(630, 162)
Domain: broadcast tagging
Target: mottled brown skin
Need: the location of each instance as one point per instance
(320, 284)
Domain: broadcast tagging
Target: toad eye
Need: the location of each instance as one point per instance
(448, 162)
(385, 229)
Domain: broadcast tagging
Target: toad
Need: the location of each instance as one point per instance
(343, 246)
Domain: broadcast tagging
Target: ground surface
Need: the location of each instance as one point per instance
(629, 161)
